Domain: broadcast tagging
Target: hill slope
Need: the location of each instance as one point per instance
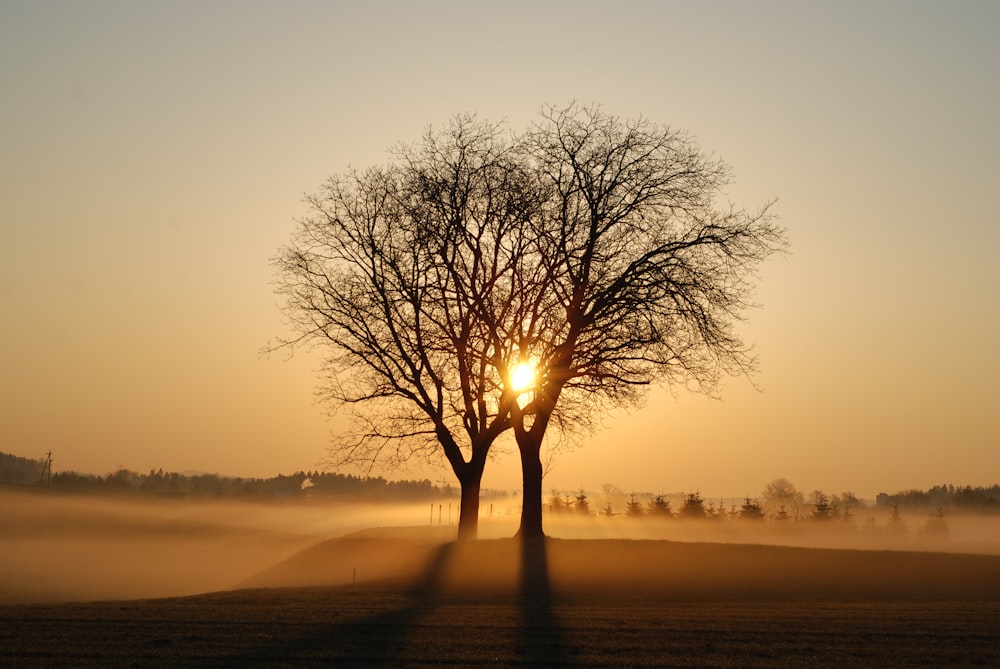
(618, 567)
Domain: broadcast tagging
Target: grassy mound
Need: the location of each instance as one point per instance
(424, 558)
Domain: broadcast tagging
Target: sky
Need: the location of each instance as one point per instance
(155, 156)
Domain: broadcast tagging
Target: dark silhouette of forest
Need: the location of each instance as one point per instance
(303, 485)
(967, 498)
(157, 483)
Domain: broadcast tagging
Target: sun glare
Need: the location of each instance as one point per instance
(522, 377)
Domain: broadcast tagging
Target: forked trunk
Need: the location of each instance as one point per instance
(531, 482)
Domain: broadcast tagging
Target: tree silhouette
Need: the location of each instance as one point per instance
(659, 507)
(780, 495)
(896, 525)
(694, 507)
(639, 277)
(936, 525)
(587, 247)
(556, 503)
(392, 275)
(634, 508)
(751, 509)
(822, 509)
(848, 501)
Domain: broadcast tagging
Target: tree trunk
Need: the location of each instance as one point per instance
(468, 515)
(531, 484)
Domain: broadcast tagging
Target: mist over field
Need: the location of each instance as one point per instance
(61, 547)
(67, 547)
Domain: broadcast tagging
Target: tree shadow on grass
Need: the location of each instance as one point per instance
(542, 636)
(392, 637)
(378, 640)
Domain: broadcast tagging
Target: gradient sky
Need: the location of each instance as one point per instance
(155, 155)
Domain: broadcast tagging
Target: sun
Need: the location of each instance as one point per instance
(522, 377)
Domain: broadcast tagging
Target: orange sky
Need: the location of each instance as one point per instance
(155, 156)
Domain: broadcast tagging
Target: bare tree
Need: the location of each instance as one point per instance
(640, 278)
(844, 503)
(391, 275)
(588, 249)
(781, 495)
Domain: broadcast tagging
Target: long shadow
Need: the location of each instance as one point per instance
(381, 640)
(376, 641)
(542, 636)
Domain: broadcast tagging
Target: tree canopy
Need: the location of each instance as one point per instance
(588, 247)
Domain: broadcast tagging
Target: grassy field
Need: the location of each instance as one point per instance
(385, 626)
(408, 597)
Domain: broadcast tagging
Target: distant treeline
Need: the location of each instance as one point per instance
(980, 499)
(14, 469)
(157, 483)
(780, 501)
(656, 506)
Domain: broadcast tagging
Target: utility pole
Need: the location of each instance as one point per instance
(46, 476)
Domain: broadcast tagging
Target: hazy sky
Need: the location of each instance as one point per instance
(155, 155)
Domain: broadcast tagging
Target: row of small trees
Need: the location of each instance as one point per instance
(821, 510)
(658, 506)
(780, 501)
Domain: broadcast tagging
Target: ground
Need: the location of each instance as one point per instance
(411, 597)
(374, 626)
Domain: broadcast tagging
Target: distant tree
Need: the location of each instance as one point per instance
(659, 507)
(694, 507)
(582, 504)
(719, 511)
(751, 509)
(556, 504)
(844, 505)
(896, 524)
(634, 508)
(713, 512)
(608, 511)
(822, 510)
(935, 526)
(781, 515)
(781, 493)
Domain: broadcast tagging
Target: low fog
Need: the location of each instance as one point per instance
(63, 547)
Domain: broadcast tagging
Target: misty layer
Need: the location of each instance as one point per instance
(71, 548)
